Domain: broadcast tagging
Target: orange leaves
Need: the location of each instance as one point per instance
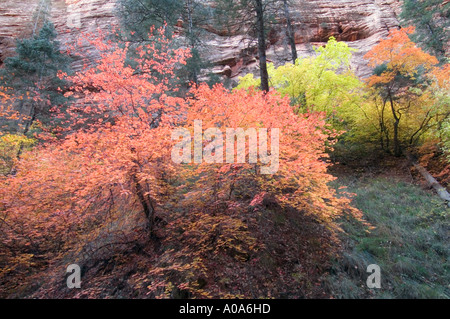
(411, 89)
(115, 150)
(115, 160)
(223, 206)
(442, 76)
(400, 55)
(302, 146)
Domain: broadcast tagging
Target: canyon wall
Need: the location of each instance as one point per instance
(71, 18)
(360, 23)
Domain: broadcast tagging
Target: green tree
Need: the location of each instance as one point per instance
(176, 16)
(138, 16)
(322, 83)
(290, 30)
(32, 75)
(432, 21)
(252, 17)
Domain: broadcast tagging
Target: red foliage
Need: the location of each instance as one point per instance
(115, 159)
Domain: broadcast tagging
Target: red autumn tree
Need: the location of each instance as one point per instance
(226, 206)
(302, 151)
(114, 152)
(114, 158)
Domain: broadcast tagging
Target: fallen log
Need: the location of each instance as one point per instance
(432, 182)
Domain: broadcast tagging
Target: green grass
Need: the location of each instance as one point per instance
(409, 243)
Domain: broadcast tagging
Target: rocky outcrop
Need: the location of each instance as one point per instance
(74, 17)
(15, 22)
(361, 23)
(71, 18)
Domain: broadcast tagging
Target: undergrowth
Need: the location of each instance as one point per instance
(409, 242)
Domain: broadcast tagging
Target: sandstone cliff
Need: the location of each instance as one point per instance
(361, 23)
(71, 18)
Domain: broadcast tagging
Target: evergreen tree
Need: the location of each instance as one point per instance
(290, 30)
(432, 21)
(259, 9)
(32, 74)
(252, 16)
(139, 16)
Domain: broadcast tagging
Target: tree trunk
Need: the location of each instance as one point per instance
(262, 46)
(432, 182)
(397, 146)
(146, 202)
(290, 31)
(194, 74)
(381, 136)
(26, 130)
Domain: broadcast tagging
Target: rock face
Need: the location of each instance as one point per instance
(71, 18)
(361, 23)
(15, 18)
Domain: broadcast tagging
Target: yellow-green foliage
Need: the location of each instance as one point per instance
(372, 120)
(324, 82)
(10, 145)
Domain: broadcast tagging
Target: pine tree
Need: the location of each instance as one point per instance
(139, 16)
(432, 21)
(252, 16)
(32, 74)
(289, 30)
